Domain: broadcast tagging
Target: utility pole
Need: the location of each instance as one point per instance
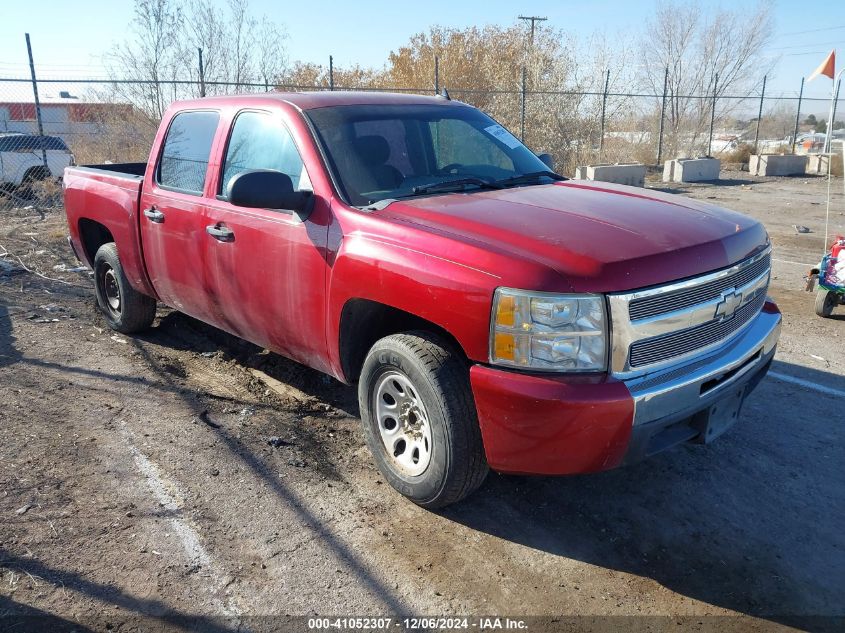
(603, 113)
(759, 115)
(662, 116)
(522, 108)
(202, 73)
(797, 116)
(533, 19)
(712, 116)
(37, 102)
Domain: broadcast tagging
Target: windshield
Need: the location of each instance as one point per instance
(387, 151)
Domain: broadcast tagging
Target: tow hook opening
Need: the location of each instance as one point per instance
(713, 383)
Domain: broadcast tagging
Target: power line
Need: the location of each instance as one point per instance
(827, 28)
(810, 44)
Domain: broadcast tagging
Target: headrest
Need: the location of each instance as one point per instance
(373, 149)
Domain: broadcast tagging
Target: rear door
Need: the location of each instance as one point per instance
(268, 274)
(172, 211)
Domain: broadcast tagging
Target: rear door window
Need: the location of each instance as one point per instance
(184, 157)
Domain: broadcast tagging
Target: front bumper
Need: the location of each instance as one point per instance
(557, 425)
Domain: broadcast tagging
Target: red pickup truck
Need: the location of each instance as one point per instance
(493, 314)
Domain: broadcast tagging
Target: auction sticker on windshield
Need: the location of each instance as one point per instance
(501, 134)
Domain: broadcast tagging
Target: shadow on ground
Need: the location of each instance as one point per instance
(683, 188)
(751, 523)
(150, 613)
(9, 354)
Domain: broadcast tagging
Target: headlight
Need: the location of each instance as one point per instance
(551, 332)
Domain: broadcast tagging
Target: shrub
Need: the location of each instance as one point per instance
(740, 154)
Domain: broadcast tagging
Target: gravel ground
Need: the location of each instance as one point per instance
(155, 482)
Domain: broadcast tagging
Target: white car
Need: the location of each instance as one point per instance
(22, 160)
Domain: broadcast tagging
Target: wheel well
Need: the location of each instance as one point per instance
(363, 322)
(93, 235)
(36, 173)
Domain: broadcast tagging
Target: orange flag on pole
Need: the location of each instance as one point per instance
(827, 68)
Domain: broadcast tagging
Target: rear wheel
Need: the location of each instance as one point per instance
(825, 302)
(419, 419)
(125, 309)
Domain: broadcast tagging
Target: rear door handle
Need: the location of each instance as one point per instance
(220, 233)
(154, 215)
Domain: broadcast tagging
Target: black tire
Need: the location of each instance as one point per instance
(825, 302)
(132, 311)
(457, 465)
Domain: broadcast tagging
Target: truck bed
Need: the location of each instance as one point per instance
(108, 196)
(135, 170)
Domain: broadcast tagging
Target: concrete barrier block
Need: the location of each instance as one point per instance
(777, 165)
(818, 163)
(691, 169)
(632, 174)
(697, 169)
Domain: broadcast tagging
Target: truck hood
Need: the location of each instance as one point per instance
(600, 237)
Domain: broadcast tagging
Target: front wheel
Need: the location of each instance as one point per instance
(825, 302)
(419, 419)
(125, 309)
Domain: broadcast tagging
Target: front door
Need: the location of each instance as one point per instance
(267, 267)
(172, 211)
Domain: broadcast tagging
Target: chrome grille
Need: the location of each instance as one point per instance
(668, 346)
(662, 326)
(647, 307)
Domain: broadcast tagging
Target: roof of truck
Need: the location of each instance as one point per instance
(312, 100)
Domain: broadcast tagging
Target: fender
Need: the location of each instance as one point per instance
(392, 263)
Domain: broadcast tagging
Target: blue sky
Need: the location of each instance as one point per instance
(71, 41)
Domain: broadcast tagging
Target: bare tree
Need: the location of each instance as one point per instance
(270, 57)
(240, 28)
(160, 52)
(149, 54)
(206, 30)
(698, 47)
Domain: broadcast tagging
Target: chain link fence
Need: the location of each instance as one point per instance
(88, 121)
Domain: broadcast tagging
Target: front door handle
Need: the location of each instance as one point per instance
(221, 233)
(154, 215)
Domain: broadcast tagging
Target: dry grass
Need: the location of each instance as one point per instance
(740, 154)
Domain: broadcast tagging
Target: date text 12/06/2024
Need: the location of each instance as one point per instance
(492, 623)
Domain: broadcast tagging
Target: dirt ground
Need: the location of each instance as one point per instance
(153, 482)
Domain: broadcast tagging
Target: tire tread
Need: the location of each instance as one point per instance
(824, 304)
(138, 311)
(450, 375)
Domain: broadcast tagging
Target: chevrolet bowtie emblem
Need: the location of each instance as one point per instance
(728, 305)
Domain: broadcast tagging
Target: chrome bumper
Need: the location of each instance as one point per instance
(666, 402)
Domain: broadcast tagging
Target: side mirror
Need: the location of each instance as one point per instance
(547, 160)
(268, 189)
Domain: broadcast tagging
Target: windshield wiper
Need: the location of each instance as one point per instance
(455, 185)
(526, 178)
